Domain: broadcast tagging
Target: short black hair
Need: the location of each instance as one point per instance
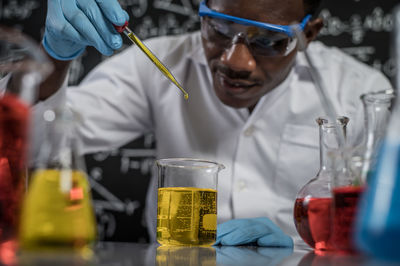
(311, 6)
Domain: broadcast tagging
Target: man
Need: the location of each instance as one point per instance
(252, 104)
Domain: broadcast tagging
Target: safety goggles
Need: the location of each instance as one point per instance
(263, 39)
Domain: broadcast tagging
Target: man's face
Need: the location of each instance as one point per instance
(241, 76)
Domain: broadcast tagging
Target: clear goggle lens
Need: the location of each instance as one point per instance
(261, 41)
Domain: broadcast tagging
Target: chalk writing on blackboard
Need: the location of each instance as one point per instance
(357, 26)
(19, 10)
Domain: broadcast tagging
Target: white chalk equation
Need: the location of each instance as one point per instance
(173, 17)
(20, 10)
(133, 163)
(367, 54)
(356, 25)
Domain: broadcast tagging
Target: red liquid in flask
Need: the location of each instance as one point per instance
(13, 147)
(345, 207)
(313, 221)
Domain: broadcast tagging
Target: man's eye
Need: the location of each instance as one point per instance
(263, 42)
(270, 43)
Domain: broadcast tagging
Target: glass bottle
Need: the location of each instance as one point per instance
(378, 221)
(57, 211)
(312, 209)
(21, 62)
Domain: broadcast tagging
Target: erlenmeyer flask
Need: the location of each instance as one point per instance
(57, 211)
(22, 62)
(312, 209)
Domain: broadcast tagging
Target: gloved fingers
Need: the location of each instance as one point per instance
(56, 24)
(247, 233)
(113, 11)
(83, 25)
(229, 226)
(226, 228)
(275, 240)
(103, 26)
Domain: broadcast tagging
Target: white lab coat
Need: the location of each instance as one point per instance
(268, 154)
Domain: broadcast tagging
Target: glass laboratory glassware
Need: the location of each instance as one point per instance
(378, 222)
(347, 188)
(187, 201)
(376, 115)
(312, 208)
(57, 212)
(21, 61)
(355, 163)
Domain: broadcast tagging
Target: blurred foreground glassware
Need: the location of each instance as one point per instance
(378, 223)
(187, 201)
(20, 60)
(312, 209)
(57, 212)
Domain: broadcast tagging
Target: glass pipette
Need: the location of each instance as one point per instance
(132, 36)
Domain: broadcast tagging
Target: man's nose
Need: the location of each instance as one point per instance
(238, 57)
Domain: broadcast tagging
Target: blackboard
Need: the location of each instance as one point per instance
(119, 178)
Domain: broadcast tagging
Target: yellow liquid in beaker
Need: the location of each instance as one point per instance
(186, 216)
(54, 219)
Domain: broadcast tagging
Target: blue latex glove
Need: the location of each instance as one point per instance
(71, 25)
(260, 231)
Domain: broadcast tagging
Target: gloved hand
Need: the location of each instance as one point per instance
(71, 25)
(260, 231)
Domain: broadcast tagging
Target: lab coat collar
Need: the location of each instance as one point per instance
(268, 99)
(197, 54)
(313, 48)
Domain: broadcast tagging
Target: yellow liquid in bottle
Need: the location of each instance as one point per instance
(55, 219)
(186, 216)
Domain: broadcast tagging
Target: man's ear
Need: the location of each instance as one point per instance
(312, 29)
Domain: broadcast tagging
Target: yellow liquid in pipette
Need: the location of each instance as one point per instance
(157, 62)
(52, 219)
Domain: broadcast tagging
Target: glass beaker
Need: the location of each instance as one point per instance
(22, 67)
(187, 201)
(57, 212)
(312, 208)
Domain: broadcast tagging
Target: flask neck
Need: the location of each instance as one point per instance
(328, 140)
(377, 113)
(61, 149)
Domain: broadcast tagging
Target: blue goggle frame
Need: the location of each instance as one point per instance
(204, 10)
